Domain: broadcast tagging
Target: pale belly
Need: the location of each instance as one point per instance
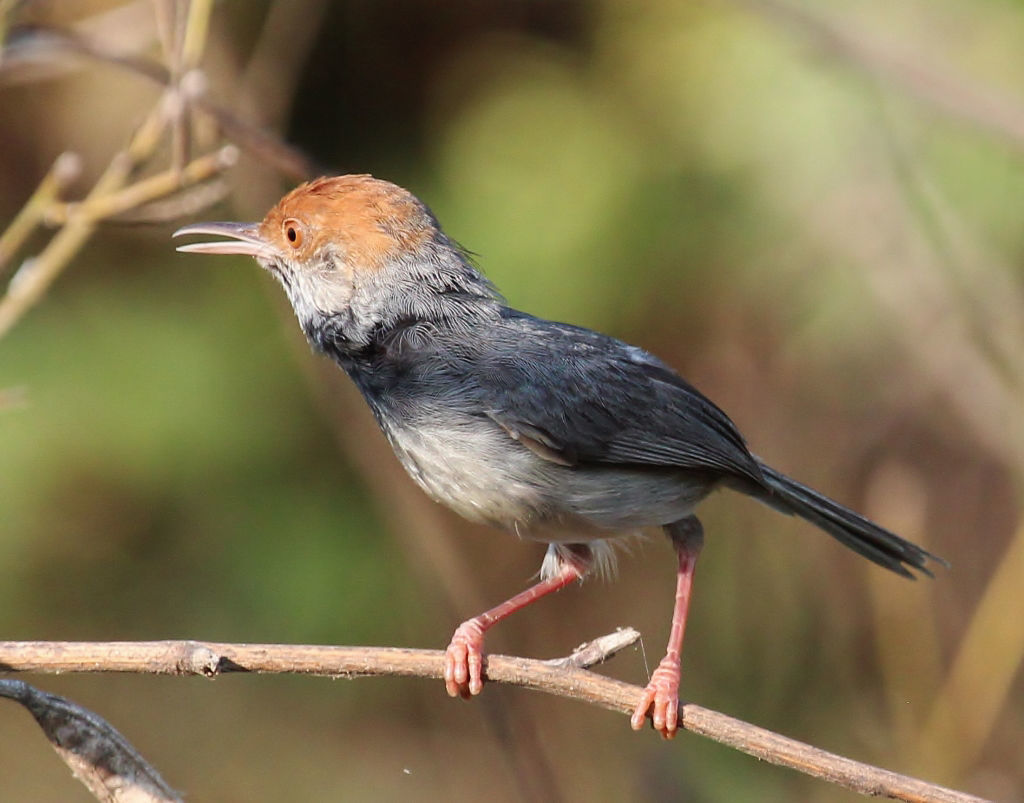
(485, 476)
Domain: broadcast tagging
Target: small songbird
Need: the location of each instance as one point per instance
(554, 432)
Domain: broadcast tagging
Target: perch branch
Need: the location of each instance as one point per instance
(211, 659)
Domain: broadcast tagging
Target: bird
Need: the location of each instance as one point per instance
(551, 431)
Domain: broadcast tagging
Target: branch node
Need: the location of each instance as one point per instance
(199, 660)
(599, 650)
(193, 85)
(67, 168)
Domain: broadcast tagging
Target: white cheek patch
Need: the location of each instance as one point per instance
(317, 295)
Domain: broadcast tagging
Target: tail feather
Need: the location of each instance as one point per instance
(848, 527)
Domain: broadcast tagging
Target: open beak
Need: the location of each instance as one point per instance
(244, 239)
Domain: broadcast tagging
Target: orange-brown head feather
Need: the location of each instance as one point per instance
(366, 221)
(360, 259)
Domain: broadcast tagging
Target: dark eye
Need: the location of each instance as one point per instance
(293, 232)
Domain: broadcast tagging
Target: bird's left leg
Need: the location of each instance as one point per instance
(662, 692)
(463, 662)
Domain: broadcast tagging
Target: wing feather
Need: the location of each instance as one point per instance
(577, 397)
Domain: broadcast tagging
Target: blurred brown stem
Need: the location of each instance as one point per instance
(211, 659)
(109, 196)
(251, 138)
(148, 189)
(64, 170)
(917, 75)
(35, 276)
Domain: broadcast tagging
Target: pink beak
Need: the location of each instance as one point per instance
(245, 239)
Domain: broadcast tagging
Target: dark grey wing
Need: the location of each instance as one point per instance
(578, 397)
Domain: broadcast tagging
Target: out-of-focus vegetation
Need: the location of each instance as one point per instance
(813, 210)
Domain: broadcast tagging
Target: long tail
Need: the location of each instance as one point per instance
(849, 528)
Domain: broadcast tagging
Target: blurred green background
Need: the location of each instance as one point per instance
(815, 211)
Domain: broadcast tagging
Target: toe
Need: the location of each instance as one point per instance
(475, 666)
(463, 664)
(658, 716)
(671, 718)
(454, 667)
(640, 713)
(665, 716)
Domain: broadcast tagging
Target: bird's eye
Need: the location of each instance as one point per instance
(293, 232)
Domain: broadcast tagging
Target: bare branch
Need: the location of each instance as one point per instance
(98, 755)
(36, 275)
(48, 46)
(184, 203)
(592, 653)
(148, 189)
(109, 196)
(211, 659)
(64, 170)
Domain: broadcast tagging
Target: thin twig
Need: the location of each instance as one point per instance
(148, 189)
(197, 28)
(592, 653)
(109, 196)
(49, 45)
(183, 203)
(65, 169)
(36, 275)
(210, 659)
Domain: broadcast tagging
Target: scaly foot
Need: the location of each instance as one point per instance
(663, 694)
(464, 660)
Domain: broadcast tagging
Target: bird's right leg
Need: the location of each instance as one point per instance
(463, 662)
(661, 697)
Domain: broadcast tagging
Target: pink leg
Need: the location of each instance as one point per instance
(463, 663)
(663, 689)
